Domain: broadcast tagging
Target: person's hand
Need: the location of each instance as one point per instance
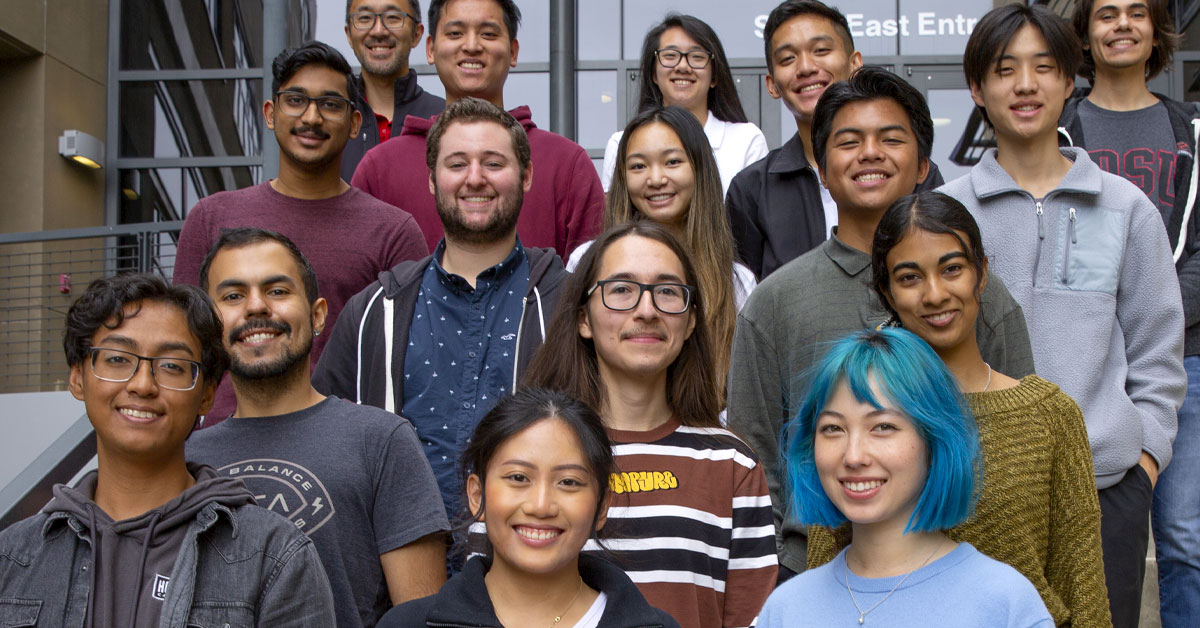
(1148, 463)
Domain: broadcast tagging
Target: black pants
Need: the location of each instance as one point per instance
(1124, 535)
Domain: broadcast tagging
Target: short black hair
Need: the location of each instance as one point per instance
(1164, 32)
(105, 300)
(794, 8)
(867, 84)
(512, 16)
(723, 98)
(289, 62)
(995, 31)
(415, 5)
(245, 236)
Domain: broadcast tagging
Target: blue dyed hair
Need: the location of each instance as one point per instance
(916, 383)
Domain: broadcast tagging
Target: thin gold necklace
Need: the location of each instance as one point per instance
(557, 618)
(862, 615)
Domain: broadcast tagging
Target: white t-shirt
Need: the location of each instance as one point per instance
(591, 619)
(735, 145)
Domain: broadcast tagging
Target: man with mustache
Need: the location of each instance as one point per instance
(382, 33)
(440, 340)
(349, 236)
(351, 477)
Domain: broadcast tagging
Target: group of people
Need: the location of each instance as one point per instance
(804, 387)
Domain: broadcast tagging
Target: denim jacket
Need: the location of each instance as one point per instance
(237, 567)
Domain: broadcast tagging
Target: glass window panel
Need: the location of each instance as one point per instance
(174, 35)
(190, 118)
(598, 29)
(160, 194)
(534, 33)
(533, 89)
(938, 27)
(950, 109)
(596, 115)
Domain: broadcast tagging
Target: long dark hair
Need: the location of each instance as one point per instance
(932, 212)
(723, 99)
(568, 361)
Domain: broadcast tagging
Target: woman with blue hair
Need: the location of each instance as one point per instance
(884, 441)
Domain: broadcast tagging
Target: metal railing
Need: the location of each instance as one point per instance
(41, 273)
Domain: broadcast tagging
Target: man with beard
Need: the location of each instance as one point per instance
(351, 477)
(350, 236)
(439, 340)
(382, 33)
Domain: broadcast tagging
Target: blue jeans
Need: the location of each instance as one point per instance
(1177, 514)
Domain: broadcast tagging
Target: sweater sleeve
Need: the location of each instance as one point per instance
(582, 207)
(753, 566)
(364, 175)
(1150, 312)
(194, 240)
(742, 205)
(756, 404)
(1074, 565)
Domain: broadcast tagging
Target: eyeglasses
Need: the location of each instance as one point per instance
(670, 57)
(622, 295)
(392, 20)
(295, 104)
(114, 365)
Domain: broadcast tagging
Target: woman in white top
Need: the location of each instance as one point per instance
(666, 173)
(683, 63)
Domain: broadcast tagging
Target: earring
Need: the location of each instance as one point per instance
(316, 332)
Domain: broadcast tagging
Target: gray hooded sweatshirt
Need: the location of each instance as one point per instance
(134, 557)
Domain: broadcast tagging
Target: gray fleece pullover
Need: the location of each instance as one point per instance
(1091, 267)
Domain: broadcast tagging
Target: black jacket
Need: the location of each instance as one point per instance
(411, 100)
(775, 208)
(1181, 223)
(463, 601)
(338, 371)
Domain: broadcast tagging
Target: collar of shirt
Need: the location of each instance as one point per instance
(851, 260)
(385, 127)
(494, 275)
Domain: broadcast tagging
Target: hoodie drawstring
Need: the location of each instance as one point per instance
(541, 313)
(137, 596)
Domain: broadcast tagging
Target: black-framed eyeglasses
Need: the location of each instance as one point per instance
(622, 295)
(670, 57)
(295, 104)
(392, 20)
(115, 365)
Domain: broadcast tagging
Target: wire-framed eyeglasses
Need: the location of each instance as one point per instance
(115, 365)
(622, 295)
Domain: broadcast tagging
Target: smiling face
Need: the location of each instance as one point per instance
(1025, 91)
(138, 419)
(538, 500)
(309, 141)
(871, 156)
(642, 342)
(268, 321)
(683, 85)
(472, 50)
(872, 462)
(933, 288)
(659, 176)
(380, 51)
(477, 182)
(807, 54)
(1120, 34)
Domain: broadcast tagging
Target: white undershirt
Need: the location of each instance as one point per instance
(591, 619)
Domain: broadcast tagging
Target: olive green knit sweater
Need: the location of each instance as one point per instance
(1038, 509)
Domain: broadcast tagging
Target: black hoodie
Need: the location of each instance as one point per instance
(133, 558)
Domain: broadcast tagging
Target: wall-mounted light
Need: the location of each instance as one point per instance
(81, 148)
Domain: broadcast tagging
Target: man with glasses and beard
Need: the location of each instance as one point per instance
(382, 34)
(440, 340)
(351, 477)
(350, 236)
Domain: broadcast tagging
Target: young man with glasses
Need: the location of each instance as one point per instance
(690, 512)
(382, 33)
(473, 44)
(349, 236)
(148, 540)
(364, 494)
(440, 340)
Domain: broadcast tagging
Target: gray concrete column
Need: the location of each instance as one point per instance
(562, 68)
(275, 21)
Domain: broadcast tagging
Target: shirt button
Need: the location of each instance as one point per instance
(467, 405)
(471, 353)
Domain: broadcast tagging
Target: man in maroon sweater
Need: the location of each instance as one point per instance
(348, 236)
(473, 43)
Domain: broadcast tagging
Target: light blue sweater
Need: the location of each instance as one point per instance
(963, 589)
(1091, 267)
